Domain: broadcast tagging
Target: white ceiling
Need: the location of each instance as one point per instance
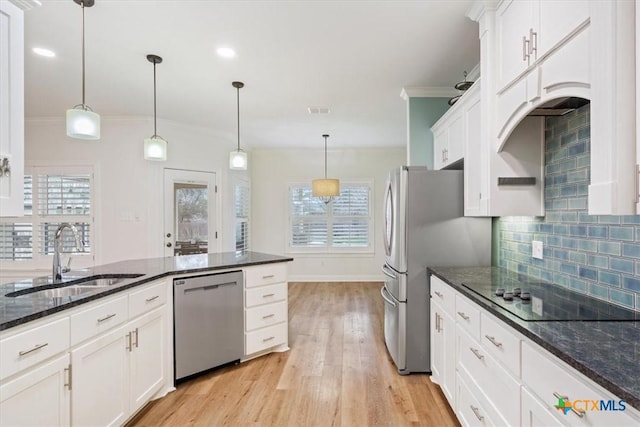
(352, 56)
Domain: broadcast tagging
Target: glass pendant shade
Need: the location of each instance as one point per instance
(155, 148)
(83, 124)
(238, 160)
(326, 187)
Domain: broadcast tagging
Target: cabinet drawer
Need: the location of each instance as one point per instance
(548, 379)
(25, 349)
(266, 315)
(443, 294)
(500, 342)
(266, 294)
(471, 409)
(500, 388)
(467, 315)
(263, 339)
(98, 319)
(265, 275)
(147, 299)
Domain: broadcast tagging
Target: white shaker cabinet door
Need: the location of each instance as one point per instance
(100, 380)
(38, 397)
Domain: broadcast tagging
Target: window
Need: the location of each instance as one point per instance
(51, 197)
(242, 194)
(344, 225)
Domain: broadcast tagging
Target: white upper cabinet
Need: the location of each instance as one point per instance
(11, 110)
(542, 52)
(613, 109)
(448, 134)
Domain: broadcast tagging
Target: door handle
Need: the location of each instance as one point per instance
(384, 297)
(389, 273)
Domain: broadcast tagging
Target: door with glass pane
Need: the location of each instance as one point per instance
(190, 212)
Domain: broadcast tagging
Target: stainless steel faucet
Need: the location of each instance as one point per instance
(58, 269)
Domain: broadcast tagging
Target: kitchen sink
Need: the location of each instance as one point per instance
(73, 287)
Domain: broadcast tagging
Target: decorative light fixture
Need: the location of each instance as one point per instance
(82, 122)
(325, 188)
(155, 147)
(238, 158)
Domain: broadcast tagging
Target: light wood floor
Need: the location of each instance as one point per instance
(337, 373)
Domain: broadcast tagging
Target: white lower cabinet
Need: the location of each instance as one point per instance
(118, 372)
(536, 414)
(266, 313)
(443, 348)
(495, 376)
(100, 378)
(39, 397)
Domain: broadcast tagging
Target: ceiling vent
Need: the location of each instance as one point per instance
(318, 110)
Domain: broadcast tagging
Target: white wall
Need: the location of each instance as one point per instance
(129, 189)
(273, 170)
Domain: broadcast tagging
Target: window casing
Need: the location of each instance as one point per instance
(242, 209)
(343, 225)
(52, 196)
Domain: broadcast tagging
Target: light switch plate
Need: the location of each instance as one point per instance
(536, 306)
(536, 249)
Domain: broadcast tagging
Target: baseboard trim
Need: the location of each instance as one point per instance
(332, 278)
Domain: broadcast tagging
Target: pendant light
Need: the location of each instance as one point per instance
(82, 122)
(238, 158)
(325, 188)
(155, 147)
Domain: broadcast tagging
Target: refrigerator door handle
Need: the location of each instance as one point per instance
(383, 290)
(388, 272)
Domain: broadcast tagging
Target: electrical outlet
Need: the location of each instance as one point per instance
(536, 249)
(536, 305)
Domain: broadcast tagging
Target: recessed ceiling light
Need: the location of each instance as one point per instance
(226, 52)
(44, 52)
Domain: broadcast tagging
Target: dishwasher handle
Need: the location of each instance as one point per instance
(209, 287)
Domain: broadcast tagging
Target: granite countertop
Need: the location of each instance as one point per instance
(28, 306)
(608, 352)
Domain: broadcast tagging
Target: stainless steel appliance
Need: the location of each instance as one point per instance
(208, 322)
(424, 226)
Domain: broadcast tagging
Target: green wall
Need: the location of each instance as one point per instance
(423, 113)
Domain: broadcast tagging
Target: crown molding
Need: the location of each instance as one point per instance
(26, 4)
(428, 92)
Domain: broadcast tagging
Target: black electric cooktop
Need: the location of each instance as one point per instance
(539, 301)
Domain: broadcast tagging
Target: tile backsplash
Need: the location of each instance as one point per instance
(597, 255)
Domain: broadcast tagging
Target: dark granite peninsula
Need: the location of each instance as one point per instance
(599, 340)
(31, 299)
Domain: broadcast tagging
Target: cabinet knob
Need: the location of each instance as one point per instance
(168, 234)
(168, 244)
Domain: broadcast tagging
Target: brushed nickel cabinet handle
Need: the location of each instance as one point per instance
(129, 341)
(152, 298)
(464, 316)
(110, 316)
(438, 294)
(136, 343)
(36, 347)
(268, 316)
(579, 413)
(267, 295)
(533, 41)
(493, 341)
(476, 352)
(525, 48)
(268, 276)
(68, 371)
(476, 412)
(268, 339)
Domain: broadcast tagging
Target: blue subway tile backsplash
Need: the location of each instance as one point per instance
(594, 254)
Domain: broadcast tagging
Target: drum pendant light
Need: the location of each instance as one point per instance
(82, 122)
(325, 188)
(155, 147)
(238, 158)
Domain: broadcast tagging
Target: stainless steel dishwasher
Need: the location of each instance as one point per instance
(208, 322)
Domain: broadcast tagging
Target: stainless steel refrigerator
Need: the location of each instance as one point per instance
(424, 225)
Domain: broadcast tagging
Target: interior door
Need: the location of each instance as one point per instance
(190, 220)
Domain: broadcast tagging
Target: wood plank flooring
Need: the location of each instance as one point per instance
(337, 373)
